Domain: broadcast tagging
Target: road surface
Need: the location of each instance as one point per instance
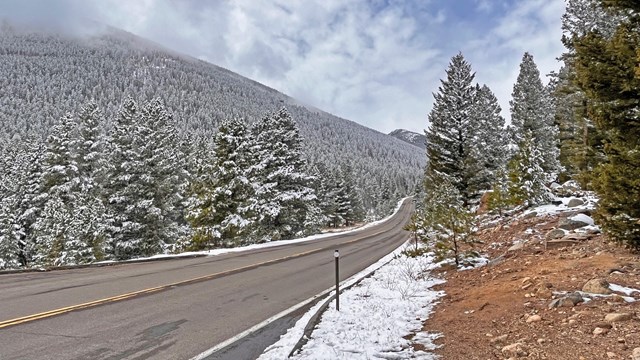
(174, 309)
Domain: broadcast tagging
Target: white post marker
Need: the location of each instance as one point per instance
(336, 255)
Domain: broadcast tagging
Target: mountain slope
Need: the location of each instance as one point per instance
(43, 76)
(410, 137)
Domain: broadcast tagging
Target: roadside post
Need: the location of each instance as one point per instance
(336, 255)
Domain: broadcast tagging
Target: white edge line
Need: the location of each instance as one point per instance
(373, 267)
(261, 325)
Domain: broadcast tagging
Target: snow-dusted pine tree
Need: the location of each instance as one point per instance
(282, 185)
(445, 222)
(224, 217)
(488, 153)
(128, 202)
(450, 122)
(526, 175)
(60, 182)
(531, 111)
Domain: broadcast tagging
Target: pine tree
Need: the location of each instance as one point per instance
(226, 216)
(488, 151)
(60, 182)
(531, 111)
(607, 72)
(581, 142)
(282, 190)
(526, 176)
(129, 204)
(448, 137)
(445, 221)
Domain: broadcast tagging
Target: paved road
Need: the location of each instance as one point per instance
(179, 308)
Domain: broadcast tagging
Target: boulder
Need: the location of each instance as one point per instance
(597, 286)
(583, 218)
(560, 243)
(635, 354)
(569, 300)
(534, 318)
(600, 331)
(569, 188)
(555, 234)
(570, 224)
(575, 202)
(515, 247)
(617, 317)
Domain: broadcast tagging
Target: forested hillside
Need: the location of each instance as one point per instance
(77, 113)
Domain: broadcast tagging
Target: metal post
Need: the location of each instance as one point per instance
(336, 255)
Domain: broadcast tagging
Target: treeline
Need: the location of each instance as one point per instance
(583, 125)
(87, 194)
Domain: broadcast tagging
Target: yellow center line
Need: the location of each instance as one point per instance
(63, 310)
(50, 313)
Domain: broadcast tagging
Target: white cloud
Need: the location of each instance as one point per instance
(376, 62)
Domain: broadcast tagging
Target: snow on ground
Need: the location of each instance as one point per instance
(590, 201)
(374, 316)
(215, 252)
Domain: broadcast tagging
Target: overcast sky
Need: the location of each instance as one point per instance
(376, 62)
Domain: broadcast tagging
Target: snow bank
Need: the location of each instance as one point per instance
(374, 316)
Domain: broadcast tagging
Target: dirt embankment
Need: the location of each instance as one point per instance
(538, 299)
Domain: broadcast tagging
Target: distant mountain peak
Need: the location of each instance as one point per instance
(410, 137)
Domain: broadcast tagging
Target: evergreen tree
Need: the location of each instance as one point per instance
(581, 142)
(282, 187)
(200, 201)
(450, 120)
(531, 111)
(607, 71)
(226, 217)
(445, 221)
(488, 152)
(60, 182)
(526, 175)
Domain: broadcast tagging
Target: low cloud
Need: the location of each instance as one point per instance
(375, 62)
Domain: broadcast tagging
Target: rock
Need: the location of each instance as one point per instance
(530, 215)
(617, 317)
(533, 318)
(570, 224)
(604, 325)
(575, 202)
(635, 354)
(556, 202)
(612, 355)
(516, 247)
(569, 188)
(560, 243)
(496, 261)
(583, 218)
(578, 237)
(499, 339)
(600, 331)
(569, 300)
(597, 286)
(514, 350)
(555, 234)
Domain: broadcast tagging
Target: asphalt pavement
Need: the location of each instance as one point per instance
(176, 309)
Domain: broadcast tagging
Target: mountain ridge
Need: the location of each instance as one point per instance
(410, 137)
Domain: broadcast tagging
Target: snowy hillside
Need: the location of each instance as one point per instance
(410, 137)
(44, 76)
